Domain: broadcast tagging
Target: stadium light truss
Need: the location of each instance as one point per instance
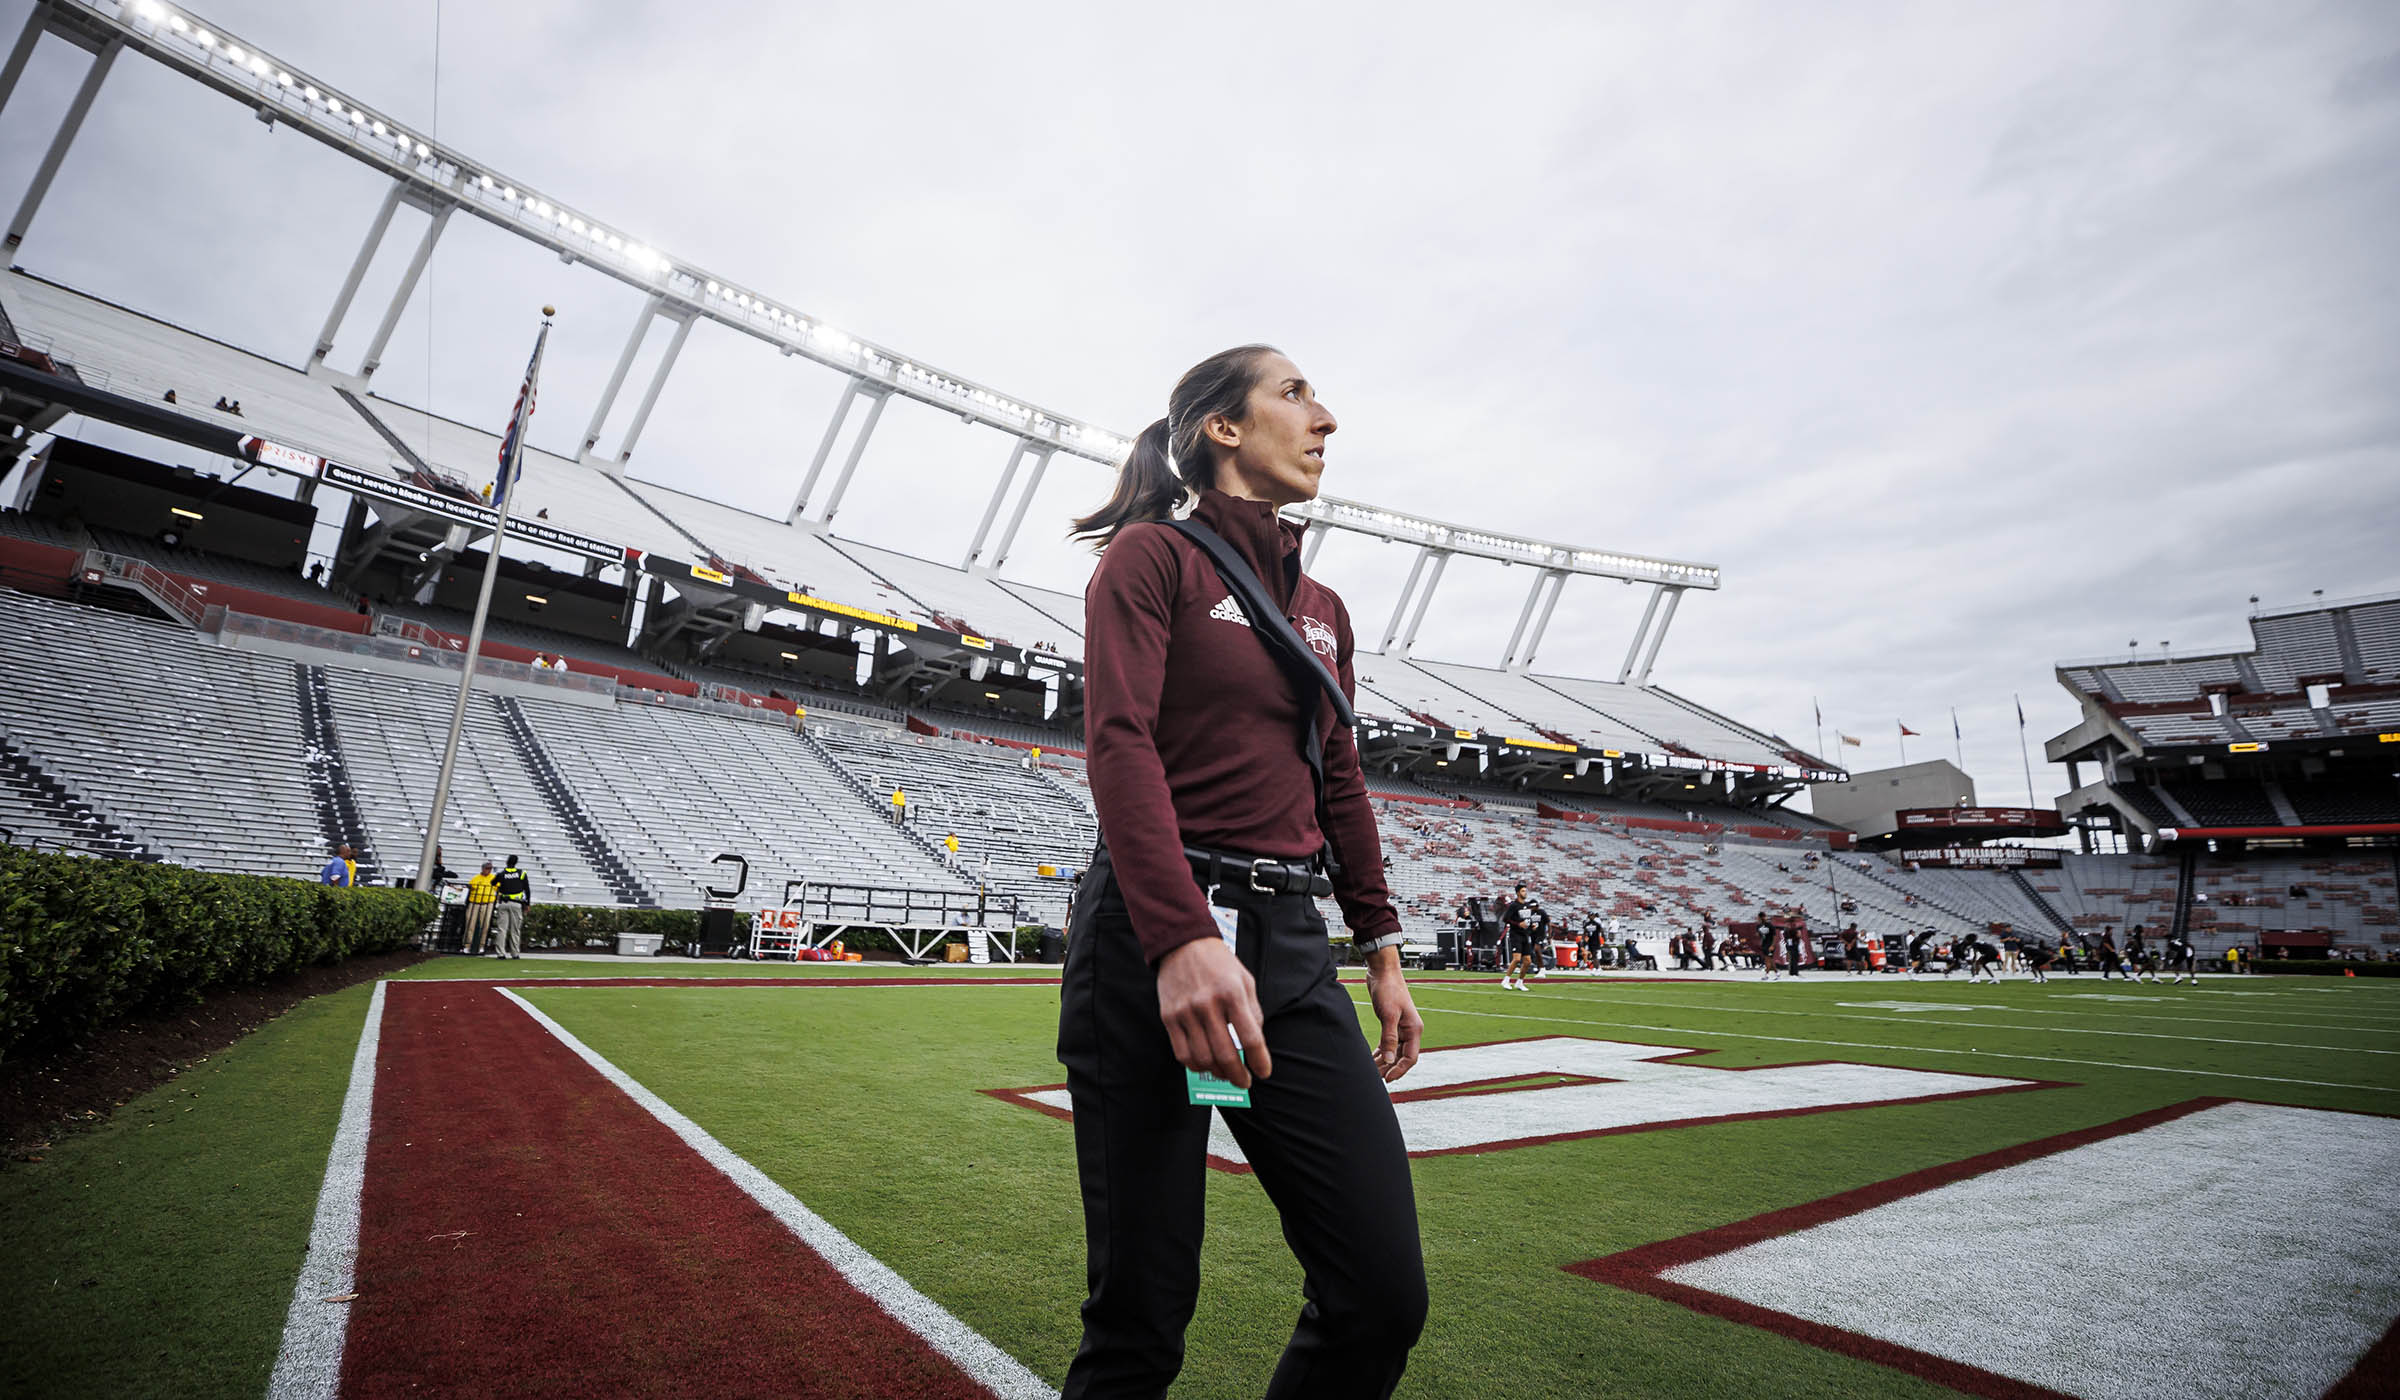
(1511, 549)
(281, 92)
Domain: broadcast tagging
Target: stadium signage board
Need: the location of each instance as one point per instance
(775, 597)
(826, 605)
(2245, 748)
(1516, 743)
(269, 453)
(1984, 857)
(403, 493)
(1978, 816)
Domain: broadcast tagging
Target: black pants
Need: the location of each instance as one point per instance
(1320, 1134)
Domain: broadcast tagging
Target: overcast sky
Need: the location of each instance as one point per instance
(1965, 339)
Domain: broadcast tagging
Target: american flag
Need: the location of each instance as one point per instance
(511, 464)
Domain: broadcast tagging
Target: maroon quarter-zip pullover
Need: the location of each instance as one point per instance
(1193, 730)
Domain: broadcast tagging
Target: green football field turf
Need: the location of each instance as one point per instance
(155, 1255)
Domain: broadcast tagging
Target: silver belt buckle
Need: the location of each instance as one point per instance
(1256, 866)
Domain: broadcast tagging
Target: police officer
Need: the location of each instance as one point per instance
(508, 915)
(1229, 793)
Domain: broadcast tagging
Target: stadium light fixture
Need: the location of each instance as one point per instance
(186, 514)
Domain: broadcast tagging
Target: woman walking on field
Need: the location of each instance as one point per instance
(1226, 777)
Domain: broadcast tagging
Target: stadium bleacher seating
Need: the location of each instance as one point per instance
(672, 783)
(2295, 645)
(2376, 626)
(2226, 803)
(675, 789)
(2096, 891)
(2144, 799)
(2334, 803)
(193, 750)
(392, 729)
(993, 799)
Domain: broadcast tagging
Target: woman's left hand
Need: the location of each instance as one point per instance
(1403, 1028)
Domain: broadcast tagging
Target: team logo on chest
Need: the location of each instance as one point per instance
(1321, 640)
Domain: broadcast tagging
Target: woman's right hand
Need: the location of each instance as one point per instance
(1203, 988)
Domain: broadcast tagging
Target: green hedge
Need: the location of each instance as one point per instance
(85, 942)
(2321, 967)
(567, 925)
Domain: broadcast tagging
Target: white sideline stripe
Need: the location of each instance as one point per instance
(1909, 1049)
(974, 1354)
(1910, 1020)
(309, 1362)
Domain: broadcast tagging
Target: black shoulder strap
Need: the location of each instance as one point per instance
(1267, 620)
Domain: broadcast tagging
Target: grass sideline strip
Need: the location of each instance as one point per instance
(308, 1365)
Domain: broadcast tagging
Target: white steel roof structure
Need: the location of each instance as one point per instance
(442, 180)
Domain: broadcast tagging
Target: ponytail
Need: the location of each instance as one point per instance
(1173, 460)
(1148, 488)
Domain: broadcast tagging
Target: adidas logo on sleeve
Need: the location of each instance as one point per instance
(1229, 611)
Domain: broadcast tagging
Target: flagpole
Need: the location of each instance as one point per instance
(1958, 741)
(1903, 742)
(483, 608)
(1820, 713)
(2022, 752)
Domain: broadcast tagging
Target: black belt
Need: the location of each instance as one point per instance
(1261, 874)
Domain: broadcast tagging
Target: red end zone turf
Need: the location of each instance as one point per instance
(527, 1229)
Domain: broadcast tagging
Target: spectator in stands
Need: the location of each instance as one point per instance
(170, 396)
(342, 870)
(508, 918)
(1216, 695)
(221, 405)
(482, 893)
(316, 573)
(559, 663)
(540, 662)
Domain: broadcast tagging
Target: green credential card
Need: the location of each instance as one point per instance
(1208, 1091)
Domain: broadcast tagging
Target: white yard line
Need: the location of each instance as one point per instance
(995, 1369)
(1722, 1010)
(309, 1362)
(1687, 1031)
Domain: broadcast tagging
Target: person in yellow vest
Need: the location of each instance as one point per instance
(899, 807)
(950, 843)
(483, 891)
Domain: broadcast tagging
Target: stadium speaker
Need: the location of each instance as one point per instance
(717, 930)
